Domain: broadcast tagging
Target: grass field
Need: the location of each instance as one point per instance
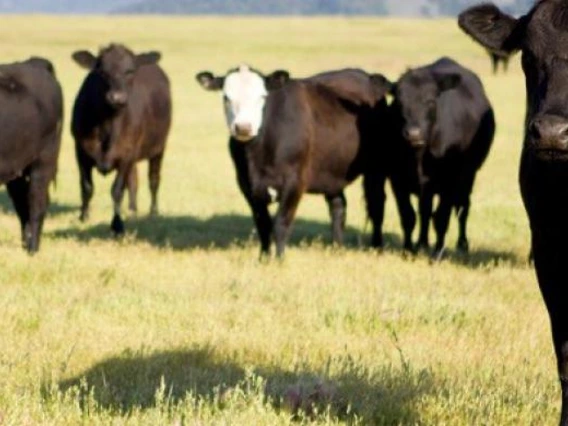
(180, 324)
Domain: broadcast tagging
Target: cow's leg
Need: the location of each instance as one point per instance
(441, 221)
(405, 210)
(38, 200)
(259, 208)
(374, 192)
(289, 200)
(550, 259)
(117, 192)
(338, 211)
(463, 213)
(425, 208)
(18, 189)
(154, 169)
(86, 181)
(133, 189)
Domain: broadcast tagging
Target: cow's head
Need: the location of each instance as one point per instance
(415, 102)
(116, 65)
(244, 94)
(542, 37)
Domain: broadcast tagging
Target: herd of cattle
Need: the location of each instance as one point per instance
(316, 135)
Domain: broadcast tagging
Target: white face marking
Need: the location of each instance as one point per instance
(244, 96)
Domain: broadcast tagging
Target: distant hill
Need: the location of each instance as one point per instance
(258, 7)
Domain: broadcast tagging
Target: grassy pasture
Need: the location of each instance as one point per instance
(179, 324)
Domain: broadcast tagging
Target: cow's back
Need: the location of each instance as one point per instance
(32, 110)
(150, 109)
(465, 120)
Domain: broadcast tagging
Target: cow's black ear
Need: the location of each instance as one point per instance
(277, 79)
(492, 28)
(148, 58)
(85, 59)
(209, 82)
(447, 81)
(382, 84)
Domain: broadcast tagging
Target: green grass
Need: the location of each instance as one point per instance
(180, 324)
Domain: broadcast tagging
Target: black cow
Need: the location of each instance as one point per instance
(444, 126)
(312, 135)
(31, 120)
(542, 36)
(121, 115)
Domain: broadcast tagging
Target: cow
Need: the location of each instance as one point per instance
(542, 36)
(443, 125)
(122, 115)
(314, 135)
(31, 121)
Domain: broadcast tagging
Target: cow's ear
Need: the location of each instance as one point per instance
(382, 84)
(447, 81)
(209, 82)
(492, 28)
(148, 58)
(277, 79)
(85, 59)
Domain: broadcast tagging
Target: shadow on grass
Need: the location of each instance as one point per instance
(133, 381)
(221, 231)
(54, 207)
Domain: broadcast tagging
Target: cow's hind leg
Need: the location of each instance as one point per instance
(338, 211)
(86, 182)
(405, 211)
(154, 170)
(463, 213)
(117, 192)
(18, 189)
(133, 189)
(289, 200)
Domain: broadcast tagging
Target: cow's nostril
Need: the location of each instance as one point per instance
(534, 130)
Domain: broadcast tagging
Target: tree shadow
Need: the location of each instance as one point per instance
(220, 231)
(139, 381)
(53, 209)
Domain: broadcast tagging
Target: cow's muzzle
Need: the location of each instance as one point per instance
(547, 136)
(414, 136)
(117, 98)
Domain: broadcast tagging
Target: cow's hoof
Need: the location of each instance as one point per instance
(117, 225)
(463, 246)
(438, 255)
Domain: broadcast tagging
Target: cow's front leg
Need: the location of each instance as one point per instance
(425, 208)
(338, 211)
(18, 189)
(117, 192)
(38, 200)
(289, 200)
(374, 192)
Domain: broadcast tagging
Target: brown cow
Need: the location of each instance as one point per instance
(30, 119)
(122, 115)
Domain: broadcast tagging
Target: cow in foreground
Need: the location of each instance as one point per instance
(121, 115)
(31, 120)
(312, 135)
(542, 36)
(444, 126)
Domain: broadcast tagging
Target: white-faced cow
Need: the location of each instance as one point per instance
(444, 125)
(122, 115)
(313, 135)
(542, 36)
(31, 119)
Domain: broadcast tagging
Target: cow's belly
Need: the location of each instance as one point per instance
(13, 161)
